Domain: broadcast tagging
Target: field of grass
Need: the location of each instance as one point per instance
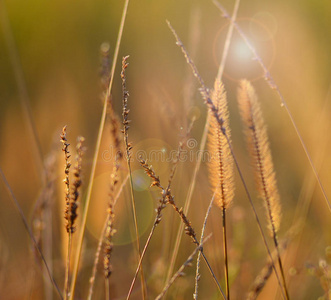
(144, 80)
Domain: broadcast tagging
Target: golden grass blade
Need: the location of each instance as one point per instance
(96, 152)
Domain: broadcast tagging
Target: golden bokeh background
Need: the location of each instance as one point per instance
(55, 48)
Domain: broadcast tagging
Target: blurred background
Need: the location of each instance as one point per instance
(50, 56)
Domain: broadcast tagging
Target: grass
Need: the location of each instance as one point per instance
(126, 221)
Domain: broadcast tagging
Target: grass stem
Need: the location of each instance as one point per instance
(96, 153)
(202, 146)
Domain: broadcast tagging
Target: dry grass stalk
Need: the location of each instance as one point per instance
(265, 273)
(197, 274)
(96, 152)
(66, 181)
(205, 94)
(167, 198)
(69, 217)
(101, 240)
(166, 193)
(115, 133)
(71, 195)
(180, 272)
(126, 111)
(202, 143)
(108, 248)
(128, 147)
(76, 185)
(258, 146)
(110, 231)
(221, 164)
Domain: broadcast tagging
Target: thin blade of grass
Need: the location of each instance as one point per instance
(197, 275)
(96, 152)
(179, 273)
(97, 254)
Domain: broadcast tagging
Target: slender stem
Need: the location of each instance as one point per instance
(96, 152)
(97, 253)
(134, 214)
(227, 42)
(180, 270)
(201, 148)
(140, 261)
(197, 275)
(190, 232)
(212, 273)
(26, 225)
(254, 210)
(281, 266)
(188, 198)
(225, 247)
(67, 271)
(107, 288)
(128, 148)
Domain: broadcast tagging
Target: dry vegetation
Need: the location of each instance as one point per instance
(191, 181)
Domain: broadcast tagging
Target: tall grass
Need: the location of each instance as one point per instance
(174, 190)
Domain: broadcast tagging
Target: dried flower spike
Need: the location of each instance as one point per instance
(221, 163)
(73, 205)
(67, 166)
(258, 145)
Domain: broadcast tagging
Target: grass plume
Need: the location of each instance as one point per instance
(71, 195)
(258, 146)
(220, 166)
(221, 175)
